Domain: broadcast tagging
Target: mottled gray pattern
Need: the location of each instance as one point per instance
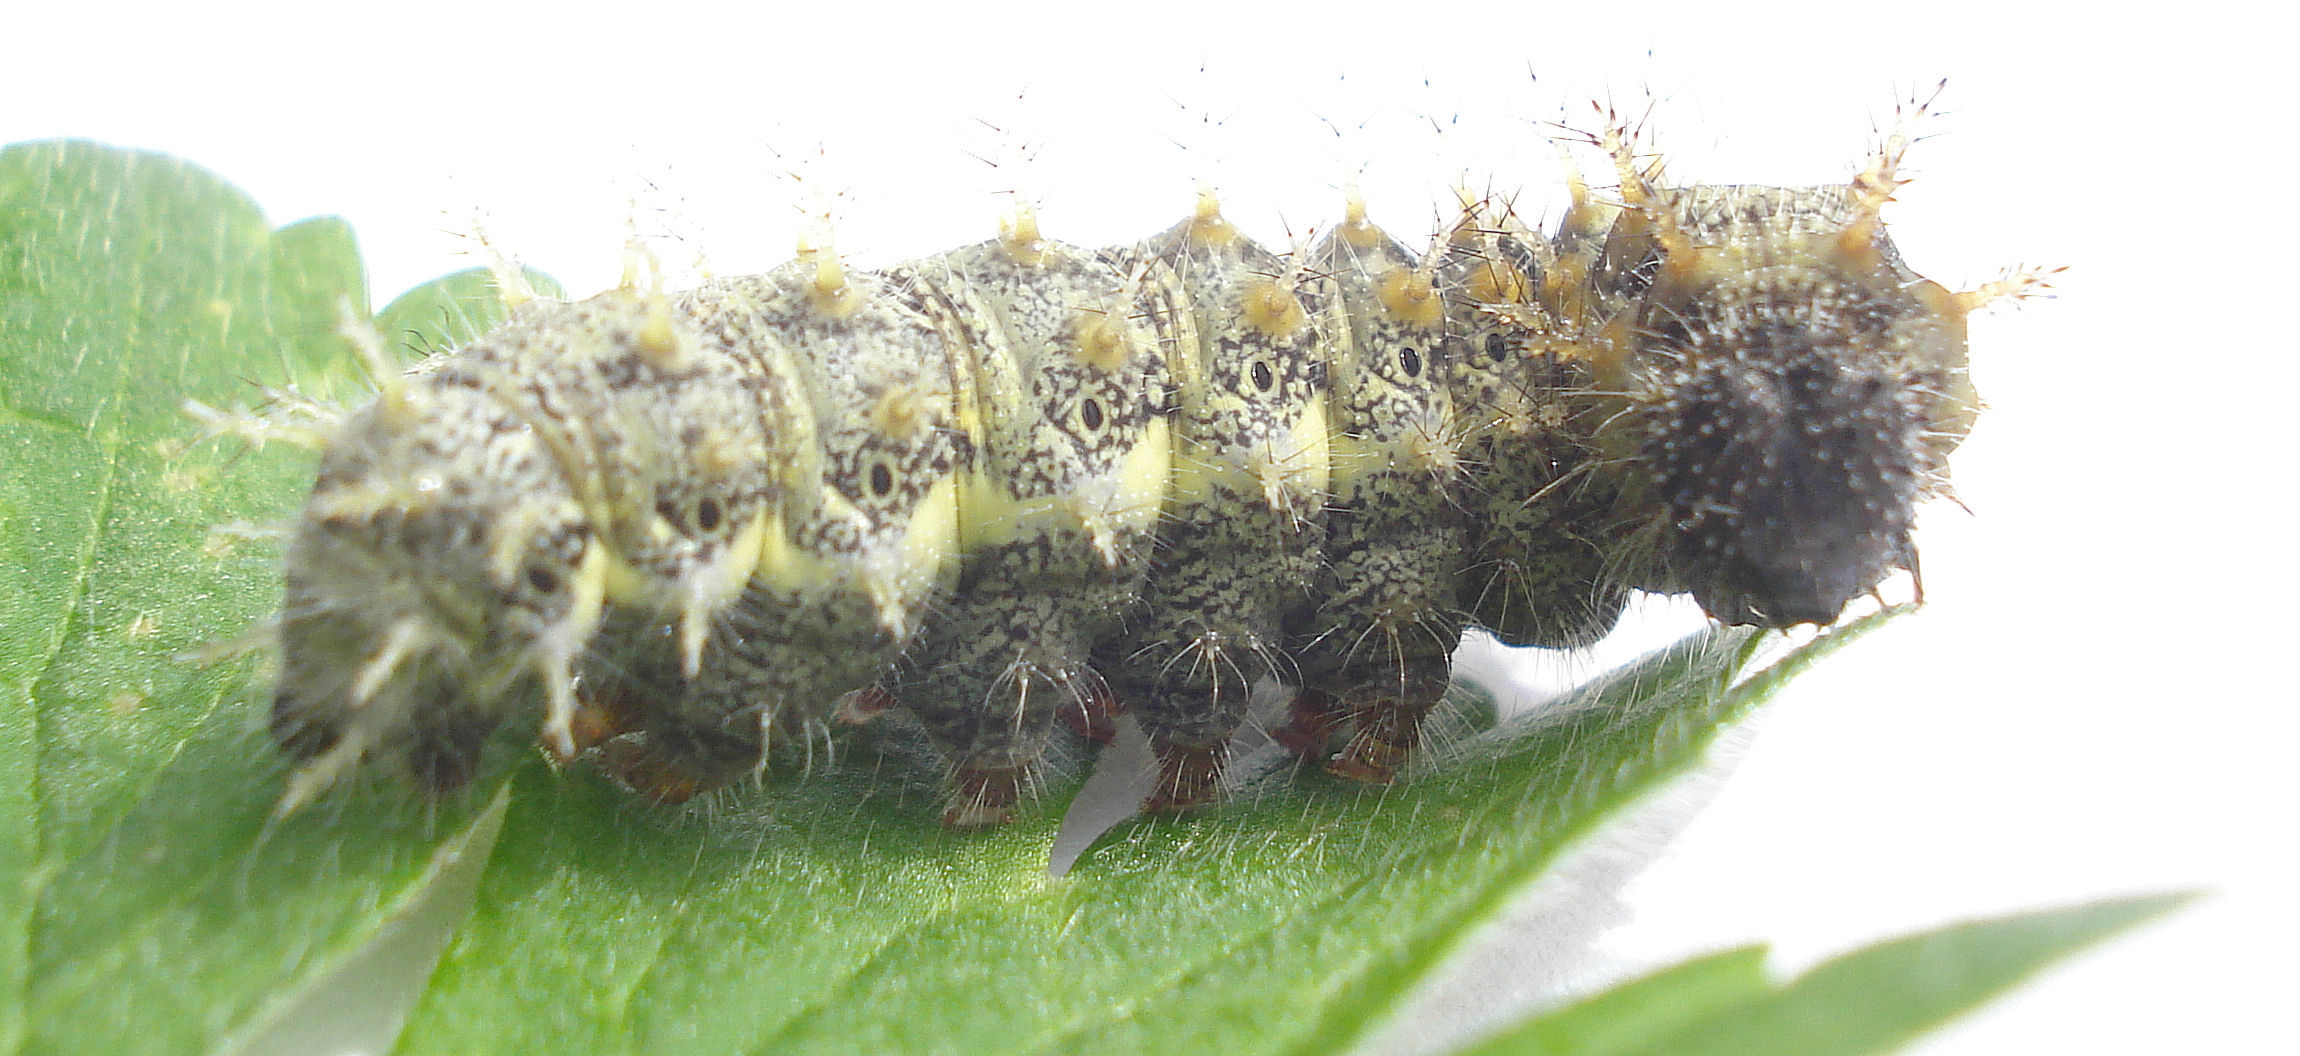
(1021, 482)
(1070, 383)
(847, 586)
(1241, 543)
(418, 669)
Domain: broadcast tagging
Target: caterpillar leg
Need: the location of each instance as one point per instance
(642, 729)
(1191, 705)
(993, 730)
(667, 778)
(993, 747)
(1008, 657)
(1313, 717)
(1385, 716)
(863, 705)
(1094, 714)
(1189, 777)
(983, 797)
(773, 672)
(1378, 716)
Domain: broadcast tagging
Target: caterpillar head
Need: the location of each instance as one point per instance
(442, 578)
(1801, 391)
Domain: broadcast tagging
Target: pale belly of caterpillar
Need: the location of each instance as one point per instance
(1025, 483)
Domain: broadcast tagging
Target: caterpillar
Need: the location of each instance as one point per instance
(1025, 485)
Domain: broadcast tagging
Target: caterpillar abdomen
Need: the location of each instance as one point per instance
(1023, 482)
(860, 536)
(1063, 505)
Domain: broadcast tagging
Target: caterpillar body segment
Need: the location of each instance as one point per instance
(1024, 481)
(863, 543)
(1250, 331)
(443, 578)
(1374, 646)
(1539, 504)
(1248, 334)
(1074, 455)
(659, 439)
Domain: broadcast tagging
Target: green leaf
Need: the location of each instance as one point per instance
(451, 311)
(1869, 1001)
(1637, 1015)
(1289, 922)
(149, 902)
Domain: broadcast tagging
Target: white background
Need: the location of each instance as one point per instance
(2087, 706)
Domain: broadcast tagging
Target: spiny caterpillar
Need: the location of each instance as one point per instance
(1025, 483)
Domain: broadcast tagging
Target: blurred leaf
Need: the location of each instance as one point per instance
(1868, 1001)
(149, 907)
(450, 312)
